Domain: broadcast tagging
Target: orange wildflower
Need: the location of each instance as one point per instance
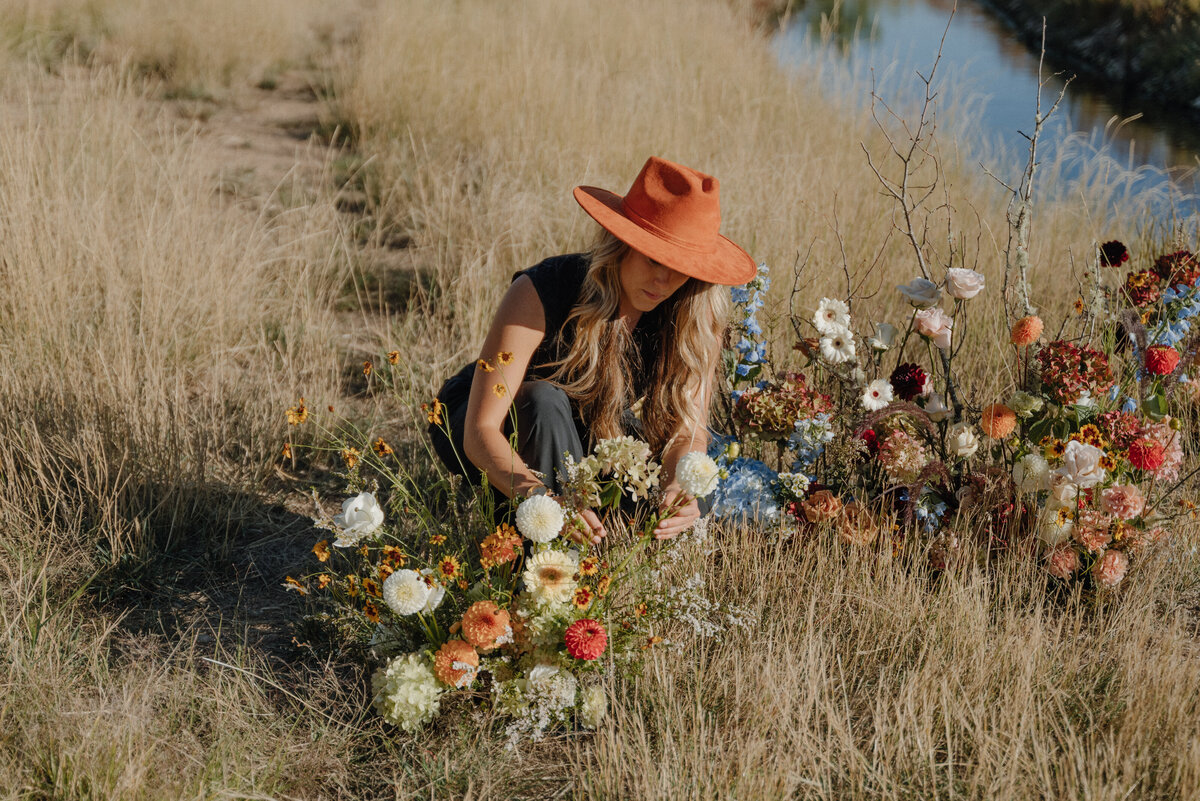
(1027, 330)
(394, 555)
(433, 413)
(499, 390)
(290, 583)
(499, 547)
(287, 450)
(583, 597)
(371, 611)
(437, 539)
(998, 421)
(321, 549)
(504, 358)
(385, 569)
(382, 448)
(297, 414)
(483, 365)
(602, 585)
(393, 357)
(589, 566)
(367, 368)
(323, 581)
(350, 456)
(449, 567)
(371, 587)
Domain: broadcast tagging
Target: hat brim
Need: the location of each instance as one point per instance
(726, 264)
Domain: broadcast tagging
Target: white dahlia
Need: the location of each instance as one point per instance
(697, 474)
(832, 314)
(405, 592)
(550, 576)
(539, 518)
(406, 691)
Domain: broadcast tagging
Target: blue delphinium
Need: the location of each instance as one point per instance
(749, 298)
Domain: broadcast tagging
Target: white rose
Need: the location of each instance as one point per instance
(697, 474)
(962, 440)
(831, 315)
(539, 518)
(1063, 491)
(1031, 473)
(405, 592)
(361, 516)
(885, 337)
(921, 292)
(962, 283)
(936, 408)
(1081, 464)
(934, 324)
(1051, 532)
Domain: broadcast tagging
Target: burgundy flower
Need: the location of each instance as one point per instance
(872, 439)
(909, 381)
(1180, 267)
(1113, 254)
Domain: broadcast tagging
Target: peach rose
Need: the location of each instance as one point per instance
(856, 525)
(934, 324)
(821, 507)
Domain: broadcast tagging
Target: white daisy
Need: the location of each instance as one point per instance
(837, 346)
(831, 315)
(877, 395)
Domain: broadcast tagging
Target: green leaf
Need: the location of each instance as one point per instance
(1155, 406)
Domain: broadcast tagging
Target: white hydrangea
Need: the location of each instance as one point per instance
(552, 687)
(1024, 404)
(593, 706)
(877, 395)
(360, 517)
(539, 518)
(405, 592)
(837, 346)
(832, 314)
(406, 692)
(697, 474)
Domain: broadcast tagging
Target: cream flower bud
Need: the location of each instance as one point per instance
(962, 440)
(885, 337)
(934, 324)
(962, 283)
(921, 292)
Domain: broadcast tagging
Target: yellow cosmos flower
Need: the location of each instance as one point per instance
(504, 358)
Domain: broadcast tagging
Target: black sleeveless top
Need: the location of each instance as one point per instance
(558, 282)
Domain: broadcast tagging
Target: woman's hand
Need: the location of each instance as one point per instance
(679, 522)
(586, 527)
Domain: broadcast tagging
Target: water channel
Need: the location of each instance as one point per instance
(1151, 153)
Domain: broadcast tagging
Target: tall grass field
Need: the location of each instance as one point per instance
(155, 325)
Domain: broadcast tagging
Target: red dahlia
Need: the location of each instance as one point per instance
(872, 439)
(1161, 359)
(1146, 454)
(587, 639)
(1113, 254)
(909, 381)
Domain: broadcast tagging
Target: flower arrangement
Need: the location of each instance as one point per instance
(1075, 463)
(528, 616)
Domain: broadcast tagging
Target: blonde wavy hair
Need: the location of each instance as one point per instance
(597, 372)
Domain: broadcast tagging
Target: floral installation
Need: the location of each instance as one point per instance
(529, 616)
(1076, 463)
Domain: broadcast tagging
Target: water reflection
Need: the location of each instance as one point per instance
(989, 68)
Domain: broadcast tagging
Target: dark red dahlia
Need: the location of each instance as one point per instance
(1113, 254)
(1180, 267)
(1142, 288)
(908, 380)
(872, 439)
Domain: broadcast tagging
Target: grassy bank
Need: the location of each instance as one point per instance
(154, 329)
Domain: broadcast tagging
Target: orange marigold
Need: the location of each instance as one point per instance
(456, 664)
(500, 547)
(998, 421)
(1027, 330)
(486, 626)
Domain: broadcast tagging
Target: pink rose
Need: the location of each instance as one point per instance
(1110, 568)
(962, 283)
(1124, 501)
(1063, 561)
(934, 324)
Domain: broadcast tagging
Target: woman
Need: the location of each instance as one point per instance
(581, 341)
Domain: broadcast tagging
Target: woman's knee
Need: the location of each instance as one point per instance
(540, 400)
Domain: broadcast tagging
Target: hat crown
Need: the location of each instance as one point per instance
(677, 203)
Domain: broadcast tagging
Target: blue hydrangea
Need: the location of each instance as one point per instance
(808, 441)
(746, 491)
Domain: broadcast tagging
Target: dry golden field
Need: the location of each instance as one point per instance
(208, 210)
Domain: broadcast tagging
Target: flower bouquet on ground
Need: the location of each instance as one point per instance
(528, 617)
(1076, 461)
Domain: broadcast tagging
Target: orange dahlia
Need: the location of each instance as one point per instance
(1027, 330)
(998, 421)
(456, 664)
(486, 626)
(586, 639)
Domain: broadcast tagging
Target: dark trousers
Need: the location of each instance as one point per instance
(547, 431)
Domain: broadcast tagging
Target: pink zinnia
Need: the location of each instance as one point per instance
(1063, 561)
(1124, 501)
(586, 639)
(1110, 568)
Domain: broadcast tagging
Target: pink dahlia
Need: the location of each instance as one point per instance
(1123, 501)
(1063, 561)
(1110, 568)
(586, 639)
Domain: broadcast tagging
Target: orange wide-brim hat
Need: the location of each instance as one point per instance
(672, 215)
